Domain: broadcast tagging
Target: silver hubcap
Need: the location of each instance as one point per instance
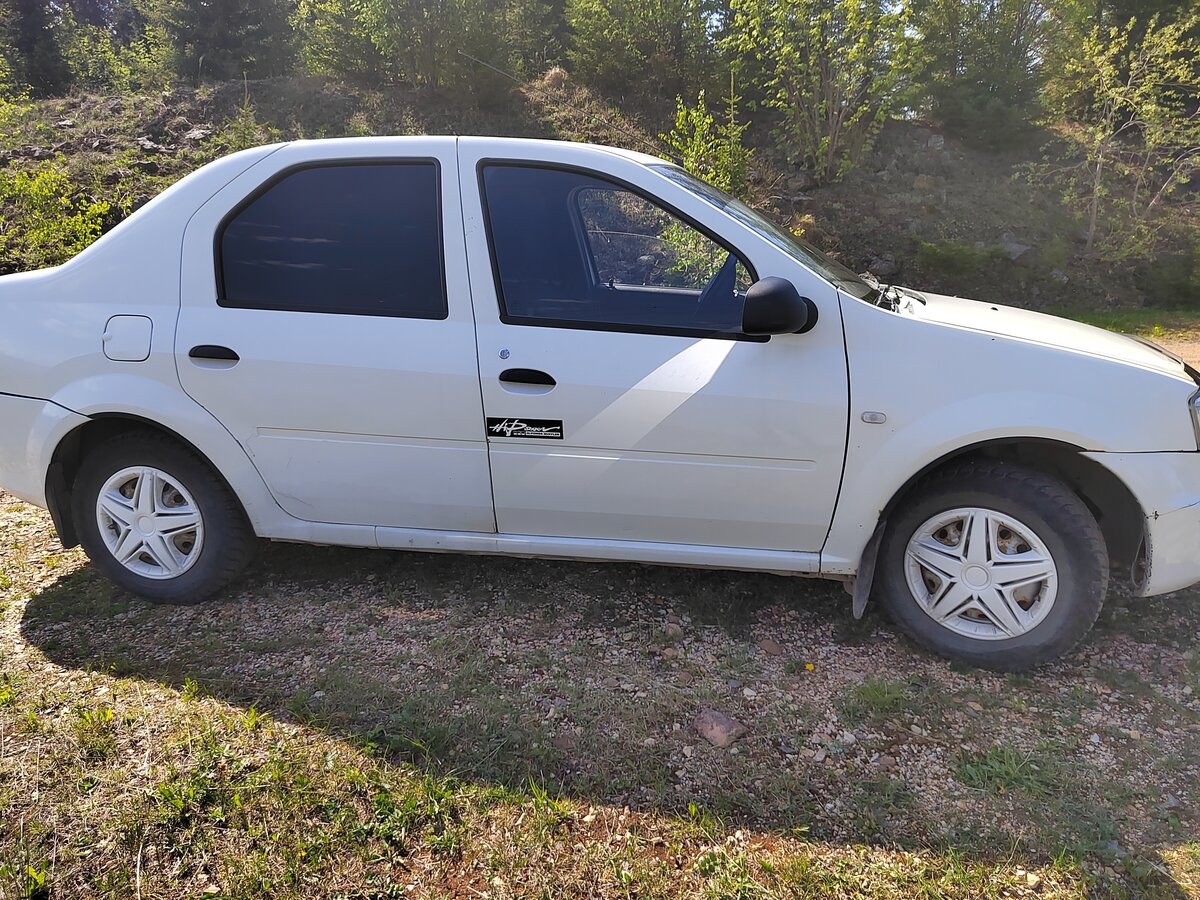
(981, 573)
(150, 523)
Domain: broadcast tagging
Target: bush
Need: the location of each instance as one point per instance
(46, 219)
(1172, 281)
(952, 261)
(711, 149)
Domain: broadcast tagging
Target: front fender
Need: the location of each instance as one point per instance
(944, 389)
(882, 459)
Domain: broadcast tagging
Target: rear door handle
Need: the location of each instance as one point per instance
(527, 376)
(213, 352)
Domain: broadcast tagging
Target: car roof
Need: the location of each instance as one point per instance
(525, 144)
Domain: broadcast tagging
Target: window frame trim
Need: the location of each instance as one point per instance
(665, 330)
(335, 163)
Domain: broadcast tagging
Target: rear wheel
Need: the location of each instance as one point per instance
(995, 565)
(155, 519)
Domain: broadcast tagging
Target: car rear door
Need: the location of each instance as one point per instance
(620, 399)
(326, 322)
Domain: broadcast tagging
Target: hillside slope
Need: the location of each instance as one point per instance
(923, 209)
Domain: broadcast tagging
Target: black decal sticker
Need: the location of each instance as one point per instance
(540, 429)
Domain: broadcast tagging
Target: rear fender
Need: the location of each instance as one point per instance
(170, 408)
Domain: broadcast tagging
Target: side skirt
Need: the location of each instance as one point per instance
(782, 562)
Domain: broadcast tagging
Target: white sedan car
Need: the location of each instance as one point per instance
(484, 345)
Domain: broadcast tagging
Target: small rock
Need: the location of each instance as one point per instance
(563, 742)
(820, 755)
(887, 763)
(673, 631)
(669, 652)
(198, 133)
(1033, 881)
(149, 166)
(1014, 248)
(150, 146)
(801, 182)
(848, 738)
(317, 695)
(770, 647)
(884, 266)
(1059, 276)
(975, 706)
(1172, 802)
(1094, 738)
(936, 142)
(749, 693)
(65, 123)
(718, 729)
(688, 750)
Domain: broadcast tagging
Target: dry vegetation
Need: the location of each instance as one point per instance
(372, 724)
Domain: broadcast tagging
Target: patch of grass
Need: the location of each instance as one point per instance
(1006, 768)
(1144, 321)
(879, 806)
(8, 689)
(954, 261)
(94, 731)
(878, 698)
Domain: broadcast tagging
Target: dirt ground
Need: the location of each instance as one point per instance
(502, 674)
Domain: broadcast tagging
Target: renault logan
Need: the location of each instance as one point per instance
(483, 345)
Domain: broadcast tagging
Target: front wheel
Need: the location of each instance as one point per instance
(156, 520)
(995, 565)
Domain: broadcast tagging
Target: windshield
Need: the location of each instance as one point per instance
(823, 265)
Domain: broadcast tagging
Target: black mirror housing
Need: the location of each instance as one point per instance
(774, 306)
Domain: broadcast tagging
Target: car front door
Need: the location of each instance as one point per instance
(621, 400)
(326, 323)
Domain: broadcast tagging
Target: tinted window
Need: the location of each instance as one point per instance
(352, 239)
(573, 249)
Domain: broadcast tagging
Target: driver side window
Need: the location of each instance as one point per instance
(574, 250)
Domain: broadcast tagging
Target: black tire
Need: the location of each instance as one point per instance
(228, 544)
(1059, 519)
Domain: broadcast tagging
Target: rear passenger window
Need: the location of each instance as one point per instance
(362, 239)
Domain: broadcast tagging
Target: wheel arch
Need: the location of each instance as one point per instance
(70, 451)
(1117, 511)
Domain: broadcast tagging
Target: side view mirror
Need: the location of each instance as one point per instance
(774, 306)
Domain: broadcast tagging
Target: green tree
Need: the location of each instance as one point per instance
(33, 49)
(222, 39)
(658, 48)
(333, 39)
(833, 70)
(980, 64)
(1138, 135)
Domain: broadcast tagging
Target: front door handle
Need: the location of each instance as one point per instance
(527, 376)
(213, 352)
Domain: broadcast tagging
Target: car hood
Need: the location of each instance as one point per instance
(1044, 329)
